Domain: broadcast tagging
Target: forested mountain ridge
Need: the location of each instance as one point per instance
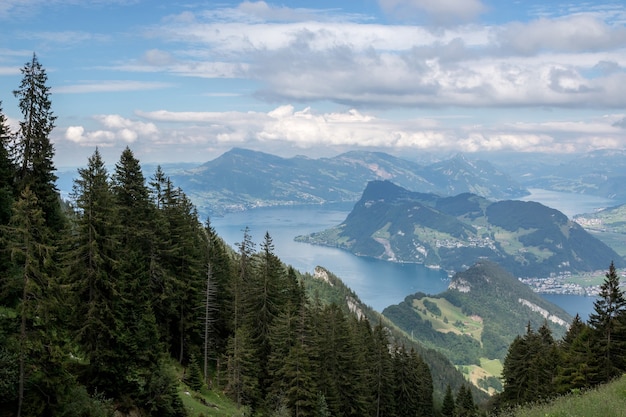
(526, 238)
(476, 319)
(241, 179)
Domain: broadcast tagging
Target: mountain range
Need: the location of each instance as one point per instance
(527, 238)
(600, 173)
(242, 179)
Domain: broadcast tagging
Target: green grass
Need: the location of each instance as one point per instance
(471, 325)
(492, 366)
(606, 401)
(207, 403)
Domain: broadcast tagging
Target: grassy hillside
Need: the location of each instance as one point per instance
(607, 400)
(476, 319)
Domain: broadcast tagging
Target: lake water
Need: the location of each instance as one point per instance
(377, 283)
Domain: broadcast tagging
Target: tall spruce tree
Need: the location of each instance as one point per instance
(448, 406)
(138, 345)
(39, 365)
(465, 406)
(264, 299)
(382, 373)
(218, 298)
(33, 152)
(7, 171)
(340, 376)
(530, 368)
(93, 270)
(607, 323)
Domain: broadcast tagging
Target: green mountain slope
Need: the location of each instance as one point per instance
(608, 225)
(326, 287)
(476, 319)
(526, 238)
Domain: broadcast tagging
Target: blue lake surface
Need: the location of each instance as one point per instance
(377, 283)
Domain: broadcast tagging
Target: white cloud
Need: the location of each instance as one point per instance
(575, 33)
(116, 130)
(287, 128)
(556, 61)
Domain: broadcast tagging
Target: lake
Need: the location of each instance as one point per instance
(377, 283)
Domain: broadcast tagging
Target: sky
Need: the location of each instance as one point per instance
(185, 81)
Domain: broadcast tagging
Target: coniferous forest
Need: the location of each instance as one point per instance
(105, 297)
(102, 294)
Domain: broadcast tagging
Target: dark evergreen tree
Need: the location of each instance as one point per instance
(179, 288)
(423, 385)
(405, 394)
(530, 368)
(448, 406)
(33, 152)
(194, 377)
(381, 368)
(242, 369)
(7, 171)
(93, 274)
(609, 327)
(465, 406)
(339, 376)
(218, 298)
(264, 298)
(40, 358)
(139, 350)
(579, 366)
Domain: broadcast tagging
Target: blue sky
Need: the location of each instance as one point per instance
(184, 81)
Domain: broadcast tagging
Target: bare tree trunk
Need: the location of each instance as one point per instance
(207, 323)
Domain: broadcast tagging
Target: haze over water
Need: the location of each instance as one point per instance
(377, 283)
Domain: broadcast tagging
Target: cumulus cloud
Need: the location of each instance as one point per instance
(575, 33)
(574, 60)
(287, 127)
(114, 130)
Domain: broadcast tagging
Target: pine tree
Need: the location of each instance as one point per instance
(7, 171)
(33, 151)
(382, 372)
(264, 298)
(39, 358)
(465, 406)
(242, 369)
(423, 385)
(448, 407)
(530, 367)
(194, 375)
(339, 376)
(218, 298)
(579, 365)
(93, 270)
(138, 349)
(606, 323)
